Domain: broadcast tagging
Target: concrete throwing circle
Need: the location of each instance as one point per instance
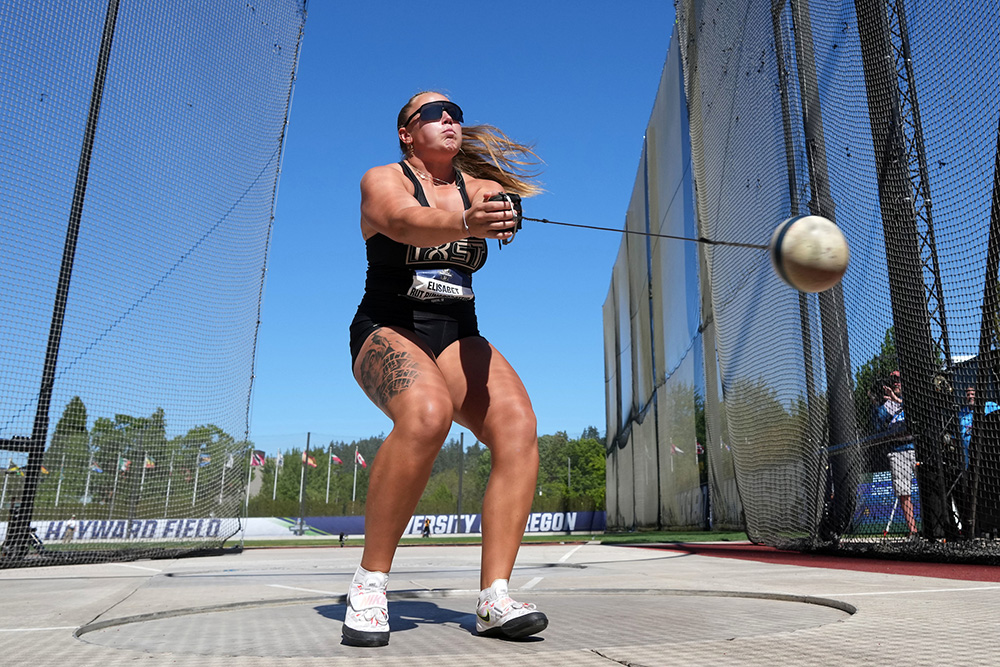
(443, 623)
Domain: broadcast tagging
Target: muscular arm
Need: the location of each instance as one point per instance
(388, 207)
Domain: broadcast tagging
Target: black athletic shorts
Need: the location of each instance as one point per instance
(437, 326)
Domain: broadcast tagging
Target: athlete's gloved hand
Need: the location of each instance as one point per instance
(515, 203)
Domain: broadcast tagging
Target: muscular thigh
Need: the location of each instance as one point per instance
(395, 369)
(487, 393)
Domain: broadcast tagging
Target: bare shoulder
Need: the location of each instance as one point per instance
(386, 175)
(384, 190)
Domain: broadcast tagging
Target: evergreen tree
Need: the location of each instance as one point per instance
(67, 457)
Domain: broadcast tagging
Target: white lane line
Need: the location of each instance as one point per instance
(532, 583)
(61, 627)
(137, 567)
(304, 590)
(926, 590)
(570, 553)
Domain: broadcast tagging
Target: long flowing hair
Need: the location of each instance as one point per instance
(490, 154)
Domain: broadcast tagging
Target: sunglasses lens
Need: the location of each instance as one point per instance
(454, 111)
(433, 111)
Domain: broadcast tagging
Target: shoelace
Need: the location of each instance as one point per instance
(505, 604)
(375, 614)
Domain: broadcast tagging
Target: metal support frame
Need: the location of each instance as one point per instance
(912, 135)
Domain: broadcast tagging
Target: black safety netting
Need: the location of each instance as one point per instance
(860, 418)
(140, 145)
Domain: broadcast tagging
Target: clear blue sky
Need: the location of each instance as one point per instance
(577, 79)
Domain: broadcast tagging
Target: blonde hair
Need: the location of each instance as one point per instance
(490, 154)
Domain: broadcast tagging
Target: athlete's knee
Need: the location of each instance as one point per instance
(514, 420)
(427, 421)
(513, 439)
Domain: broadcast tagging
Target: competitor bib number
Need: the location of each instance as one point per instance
(441, 285)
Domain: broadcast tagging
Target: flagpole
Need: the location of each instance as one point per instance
(86, 485)
(90, 469)
(246, 503)
(302, 486)
(170, 477)
(354, 492)
(329, 469)
(197, 470)
(222, 484)
(59, 484)
(274, 493)
(114, 489)
(3, 498)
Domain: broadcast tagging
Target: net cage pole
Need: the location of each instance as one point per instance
(777, 7)
(833, 312)
(814, 429)
(652, 334)
(16, 542)
(911, 319)
(715, 424)
(988, 342)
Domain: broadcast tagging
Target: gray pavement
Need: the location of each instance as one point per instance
(606, 605)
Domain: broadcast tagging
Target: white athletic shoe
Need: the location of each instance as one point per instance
(367, 620)
(497, 615)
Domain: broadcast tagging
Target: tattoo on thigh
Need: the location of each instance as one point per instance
(386, 371)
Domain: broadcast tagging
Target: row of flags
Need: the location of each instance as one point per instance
(334, 459)
(15, 469)
(257, 459)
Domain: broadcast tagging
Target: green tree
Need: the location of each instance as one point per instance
(67, 457)
(571, 473)
(191, 467)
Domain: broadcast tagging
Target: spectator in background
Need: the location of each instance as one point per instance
(70, 530)
(903, 458)
(965, 421)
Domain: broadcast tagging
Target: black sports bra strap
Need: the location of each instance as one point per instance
(418, 190)
(460, 182)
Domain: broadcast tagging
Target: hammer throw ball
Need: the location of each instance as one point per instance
(809, 253)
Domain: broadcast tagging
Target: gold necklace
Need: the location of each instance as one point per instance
(433, 179)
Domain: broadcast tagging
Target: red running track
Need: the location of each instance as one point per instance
(765, 554)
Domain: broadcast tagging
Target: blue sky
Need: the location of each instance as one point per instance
(577, 79)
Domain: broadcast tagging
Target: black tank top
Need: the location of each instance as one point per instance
(392, 265)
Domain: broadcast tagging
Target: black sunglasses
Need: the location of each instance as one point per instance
(434, 110)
